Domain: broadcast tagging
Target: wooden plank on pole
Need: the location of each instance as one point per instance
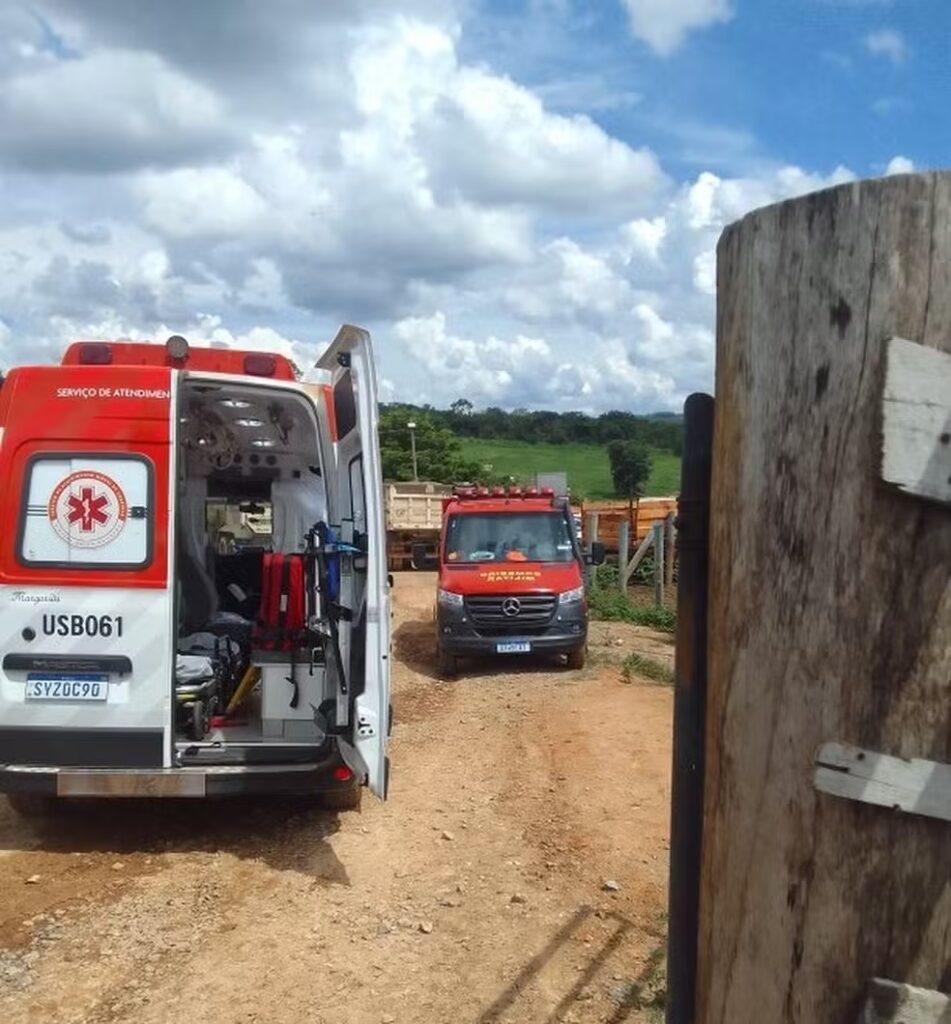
(916, 420)
(658, 531)
(891, 1003)
(914, 786)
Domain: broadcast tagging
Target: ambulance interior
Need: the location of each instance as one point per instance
(250, 679)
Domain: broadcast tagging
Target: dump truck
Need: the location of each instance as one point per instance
(413, 521)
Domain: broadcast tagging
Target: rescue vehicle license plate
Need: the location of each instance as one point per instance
(513, 647)
(67, 686)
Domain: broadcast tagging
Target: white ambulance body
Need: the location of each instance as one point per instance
(140, 657)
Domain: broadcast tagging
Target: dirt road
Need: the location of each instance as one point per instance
(477, 893)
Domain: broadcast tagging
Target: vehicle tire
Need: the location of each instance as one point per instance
(448, 664)
(32, 805)
(576, 659)
(342, 799)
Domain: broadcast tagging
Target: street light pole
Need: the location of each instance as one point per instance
(412, 444)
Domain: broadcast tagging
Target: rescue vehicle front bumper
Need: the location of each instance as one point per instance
(193, 781)
(458, 634)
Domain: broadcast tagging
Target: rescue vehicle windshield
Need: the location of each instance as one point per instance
(508, 537)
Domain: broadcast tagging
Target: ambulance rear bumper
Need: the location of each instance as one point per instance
(191, 782)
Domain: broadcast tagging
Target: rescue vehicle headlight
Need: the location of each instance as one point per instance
(572, 596)
(176, 348)
(450, 600)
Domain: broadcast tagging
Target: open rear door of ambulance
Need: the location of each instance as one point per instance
(357, 509)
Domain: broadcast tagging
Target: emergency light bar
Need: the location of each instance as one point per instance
(176, 353)
(468, 492)
(259, 364)
(95, 354)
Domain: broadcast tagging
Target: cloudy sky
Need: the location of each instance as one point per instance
(520, 199)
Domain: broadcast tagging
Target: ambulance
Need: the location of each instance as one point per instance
(140, 657)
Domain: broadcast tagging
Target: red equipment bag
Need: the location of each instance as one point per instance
(282, 616)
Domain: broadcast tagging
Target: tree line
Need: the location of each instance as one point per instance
(661, 430)
(629, 439)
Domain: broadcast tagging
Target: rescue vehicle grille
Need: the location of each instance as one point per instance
(511, 613)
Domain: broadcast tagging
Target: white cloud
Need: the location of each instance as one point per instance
(665, 24)
(202, 202)
(366, 171)
(888, 43)
(112, 110)
(493, 141)
(900, 165)
(646, 236)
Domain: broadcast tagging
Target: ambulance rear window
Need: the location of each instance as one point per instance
(87, 512)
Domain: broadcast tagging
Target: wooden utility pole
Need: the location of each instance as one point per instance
(829, 610)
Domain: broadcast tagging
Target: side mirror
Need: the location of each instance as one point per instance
(424, 556)
(596, 554)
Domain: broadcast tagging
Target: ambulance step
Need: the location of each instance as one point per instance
(250, 753)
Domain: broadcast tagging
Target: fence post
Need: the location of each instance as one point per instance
(623, 548)
(591, 535)
(658, 529)
(669, 549)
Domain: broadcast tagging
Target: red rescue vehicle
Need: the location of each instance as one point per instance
(140, 655)
(511, 577)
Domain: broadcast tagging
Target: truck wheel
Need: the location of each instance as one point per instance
(448, 664)
(342, 799)
(576, 659)
(32, 805)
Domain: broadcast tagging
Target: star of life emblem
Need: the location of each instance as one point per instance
(87, 509)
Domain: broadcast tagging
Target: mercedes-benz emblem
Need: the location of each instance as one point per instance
(511, 606)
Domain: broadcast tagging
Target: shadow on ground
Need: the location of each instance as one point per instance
(414, 644)
(644, 993)
(288, 835)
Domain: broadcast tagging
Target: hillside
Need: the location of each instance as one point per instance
(589, 474)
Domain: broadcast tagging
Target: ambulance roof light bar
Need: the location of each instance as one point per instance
(259, 364)
(463, 492)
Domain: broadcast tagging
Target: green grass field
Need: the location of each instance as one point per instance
(589, 473)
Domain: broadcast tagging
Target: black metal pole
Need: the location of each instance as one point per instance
(690, 689)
